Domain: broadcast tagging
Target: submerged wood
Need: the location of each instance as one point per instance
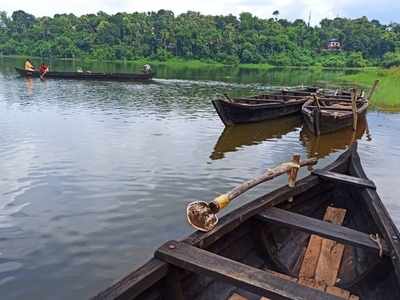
(242, 243)
(202, 215)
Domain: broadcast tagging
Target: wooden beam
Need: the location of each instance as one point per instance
(263, 283)
(321, 228)
(346, 179)
(331, 252)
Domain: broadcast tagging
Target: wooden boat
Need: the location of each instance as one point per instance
(322, 145)
(327, 115)
(267, 106)
(329, 237)
(258, 108)
(234, 137)
(89, 75)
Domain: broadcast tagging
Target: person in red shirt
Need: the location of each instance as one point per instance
(43, 69)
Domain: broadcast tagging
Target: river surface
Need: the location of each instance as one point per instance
(95, 175)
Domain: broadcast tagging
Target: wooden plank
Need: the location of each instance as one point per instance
(321, 228)
(331, 251)
(236, 297)
(333, 290)
(310, 260)
(346, 179)
(312, 284)
(263, 283)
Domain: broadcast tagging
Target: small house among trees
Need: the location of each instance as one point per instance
(334, 45)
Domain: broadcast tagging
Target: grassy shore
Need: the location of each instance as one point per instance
(387, 95)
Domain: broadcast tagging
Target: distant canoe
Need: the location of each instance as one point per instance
(332, 114)
(89, 75)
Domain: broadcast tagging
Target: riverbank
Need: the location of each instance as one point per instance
(387, 96)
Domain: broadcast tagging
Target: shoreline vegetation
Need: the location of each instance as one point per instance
(387, 95)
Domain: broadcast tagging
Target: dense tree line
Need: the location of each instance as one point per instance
(227, 39)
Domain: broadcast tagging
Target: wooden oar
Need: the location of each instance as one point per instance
(202, 215)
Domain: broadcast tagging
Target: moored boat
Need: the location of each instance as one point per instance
(326, 115)
(89, 75)
(270, 106)
(328, 237)
(256, 109)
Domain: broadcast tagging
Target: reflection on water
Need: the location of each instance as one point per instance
(323, 145)
(96, 175)
(235, 137)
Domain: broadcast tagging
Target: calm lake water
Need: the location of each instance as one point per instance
(95, 175)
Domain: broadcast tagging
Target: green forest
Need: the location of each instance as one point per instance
(230, 40)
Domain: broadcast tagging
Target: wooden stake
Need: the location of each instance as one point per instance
(372, 91)
(293, 171)
(354, 108)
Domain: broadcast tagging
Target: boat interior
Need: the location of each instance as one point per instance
(320, 244)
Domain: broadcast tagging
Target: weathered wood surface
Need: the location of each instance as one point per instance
(264, 283)
(312, 261)
(346, 179)
(271, 174)
(331, 251)
(321, 228)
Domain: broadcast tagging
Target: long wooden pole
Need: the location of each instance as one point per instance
(201, 215)
(354, 108)
(372, 91)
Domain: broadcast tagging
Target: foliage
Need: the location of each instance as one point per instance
(161, 35)
(388, 91)
(391, 59)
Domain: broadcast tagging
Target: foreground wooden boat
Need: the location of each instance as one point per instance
(278, 247)
(327, 115)
(89, 75)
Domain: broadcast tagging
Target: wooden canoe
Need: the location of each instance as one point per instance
(268, 106)
(241, 110)
(89, 75)
(331, 115)
(279, 247)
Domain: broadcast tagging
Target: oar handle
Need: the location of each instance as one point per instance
(291, 168)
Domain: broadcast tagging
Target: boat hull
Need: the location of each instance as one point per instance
(238, 113)
(273, 247)
(89, 75)
(322, 122)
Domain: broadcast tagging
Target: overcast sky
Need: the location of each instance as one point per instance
(385, 10)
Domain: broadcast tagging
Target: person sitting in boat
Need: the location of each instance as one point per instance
(43, 69)
(29, 66)
(147, 68)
